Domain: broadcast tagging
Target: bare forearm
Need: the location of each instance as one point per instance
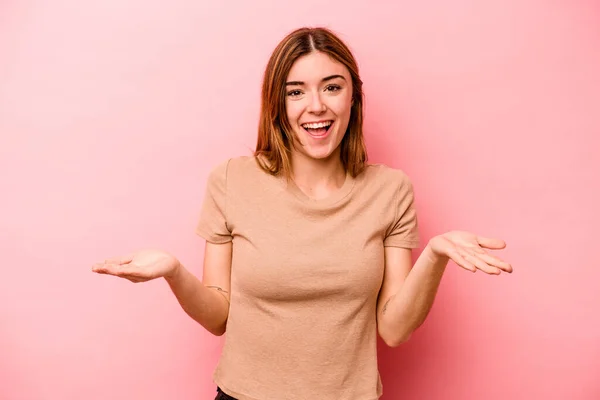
(205, 305)
(407, 309)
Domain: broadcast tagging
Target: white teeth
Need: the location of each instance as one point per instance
(317, 125)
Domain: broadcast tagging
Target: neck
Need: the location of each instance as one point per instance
(318, 178)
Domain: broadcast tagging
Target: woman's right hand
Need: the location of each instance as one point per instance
(141, 266)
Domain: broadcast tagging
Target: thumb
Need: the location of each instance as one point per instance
(491, 243)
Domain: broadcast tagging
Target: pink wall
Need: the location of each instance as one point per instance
(112, 114)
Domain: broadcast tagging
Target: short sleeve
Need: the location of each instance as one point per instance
(404, 229)
(212, 225)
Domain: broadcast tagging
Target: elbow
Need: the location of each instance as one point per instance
(395, 340)
(217, 330)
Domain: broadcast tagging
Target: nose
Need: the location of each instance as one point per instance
(316, 105)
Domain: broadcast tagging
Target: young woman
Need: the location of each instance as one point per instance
(308, 247)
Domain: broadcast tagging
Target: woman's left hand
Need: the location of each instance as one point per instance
(467, 250)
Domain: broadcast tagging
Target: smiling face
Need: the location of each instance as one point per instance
(318, 102)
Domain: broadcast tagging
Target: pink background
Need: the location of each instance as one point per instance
(113, 112)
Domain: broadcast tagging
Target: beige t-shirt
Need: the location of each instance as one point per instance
(305, 278)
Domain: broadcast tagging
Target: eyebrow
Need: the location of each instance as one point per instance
(327, 78)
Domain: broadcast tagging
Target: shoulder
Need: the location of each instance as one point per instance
(384, 176)
(233, 166)
(236, 173)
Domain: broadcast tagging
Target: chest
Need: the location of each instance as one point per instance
(284, 251)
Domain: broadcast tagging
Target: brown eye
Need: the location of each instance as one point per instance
(293, 93)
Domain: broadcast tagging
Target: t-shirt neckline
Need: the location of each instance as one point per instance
(333, 198)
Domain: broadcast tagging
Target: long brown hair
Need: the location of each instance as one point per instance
(275, 135)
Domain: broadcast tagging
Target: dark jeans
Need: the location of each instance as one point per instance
(223, 396)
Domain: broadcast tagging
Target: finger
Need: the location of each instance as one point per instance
(99, 268)
(461, 262)
(124, 275)
(120, 270)
(496, 262)
(479, 263)
(491, 243)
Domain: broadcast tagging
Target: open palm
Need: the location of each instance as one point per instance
(140, 266)
(468, 251)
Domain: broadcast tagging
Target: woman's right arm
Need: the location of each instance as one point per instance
(207, 302)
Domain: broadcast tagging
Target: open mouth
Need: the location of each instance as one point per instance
(319, 129)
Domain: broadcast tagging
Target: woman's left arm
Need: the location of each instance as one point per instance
(407, 294)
